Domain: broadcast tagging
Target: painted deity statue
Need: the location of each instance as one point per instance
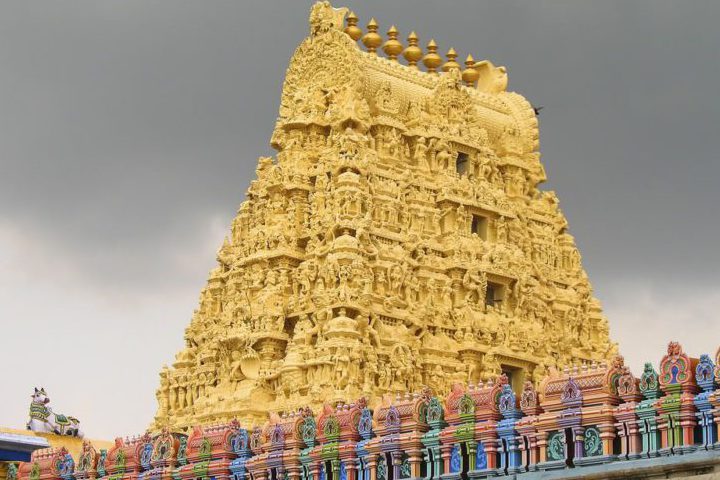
(44, 420)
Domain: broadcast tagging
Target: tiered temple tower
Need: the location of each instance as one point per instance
(398, 239)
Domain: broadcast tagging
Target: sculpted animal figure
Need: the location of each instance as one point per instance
(492, 79)
(44, 420)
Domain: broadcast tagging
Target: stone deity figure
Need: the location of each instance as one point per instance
(236, 373)
(475, 283)
(443, 156)
(421, 153)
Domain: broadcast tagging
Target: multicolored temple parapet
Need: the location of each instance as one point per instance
(589, 415)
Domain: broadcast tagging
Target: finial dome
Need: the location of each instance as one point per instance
(451, 63)
(372, 39)
(352, 29)
(431, 59)
(470, 75)
(392, 46)
(412, 53)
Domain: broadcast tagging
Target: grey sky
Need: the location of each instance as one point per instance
(129, 131)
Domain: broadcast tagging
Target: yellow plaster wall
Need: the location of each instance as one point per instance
(72, 444)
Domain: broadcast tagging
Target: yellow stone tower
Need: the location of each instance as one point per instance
(398, 239)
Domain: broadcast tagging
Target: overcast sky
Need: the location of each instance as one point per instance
(129, 131)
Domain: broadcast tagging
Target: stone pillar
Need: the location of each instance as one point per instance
(634, 441)
(471, 447)
(415, 459)
(514, 456)
(534, 450)
(607, 435)
(314, 469)
(438, 464)
(260, 474)
(357, 469)
(542, 446)
(666, 435)
(491, 449)
(396, 457)
(707, 422)
(688, 421)
(294, 472)
(372, 466)
(578, 442)
(445, 455)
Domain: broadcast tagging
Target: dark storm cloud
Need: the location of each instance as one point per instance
(129, 131)
(123, 124)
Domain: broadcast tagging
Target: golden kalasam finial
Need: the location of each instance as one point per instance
(470, 75)
(352, 29)
(451, 63)
(392, 46)
(431, 59)
(372, 39)
(412, 53)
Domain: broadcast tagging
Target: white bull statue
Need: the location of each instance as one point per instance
(44, 420)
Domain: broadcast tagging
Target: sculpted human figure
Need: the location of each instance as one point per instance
(344, 274)
(236, 374)
(397, 276)
(384, 98)
(447, 294)
(163, 399)
(421, 153)
(475, 283)
(414, 114)
(443, 155)
(501, 229)
(202, 382)
(491, 367)
(305, 330)
(412, 287)
(174, 405)
(380, 282)
(461, 217)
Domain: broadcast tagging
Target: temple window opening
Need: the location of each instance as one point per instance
(494, 294)
(479, 226)
(462, 163)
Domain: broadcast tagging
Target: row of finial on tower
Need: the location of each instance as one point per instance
(393, 48)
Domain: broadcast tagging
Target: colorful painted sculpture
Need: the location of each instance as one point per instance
(48, 464)
(87, 464)
(577, 425)
(336, 449)
(397, 450)
(124, 460)
(647, 411)
(705, 378)
(211, 452)
(676, 409)
(43, 419)
(586, 416)
(627, 421)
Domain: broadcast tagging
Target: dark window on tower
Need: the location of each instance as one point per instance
(495, 293)
(490, 295)
(461, 163)
(479, 226)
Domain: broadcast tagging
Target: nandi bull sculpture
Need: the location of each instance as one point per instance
(43, 419)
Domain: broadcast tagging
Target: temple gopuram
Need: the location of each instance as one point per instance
(398, 301)
(397, 240)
